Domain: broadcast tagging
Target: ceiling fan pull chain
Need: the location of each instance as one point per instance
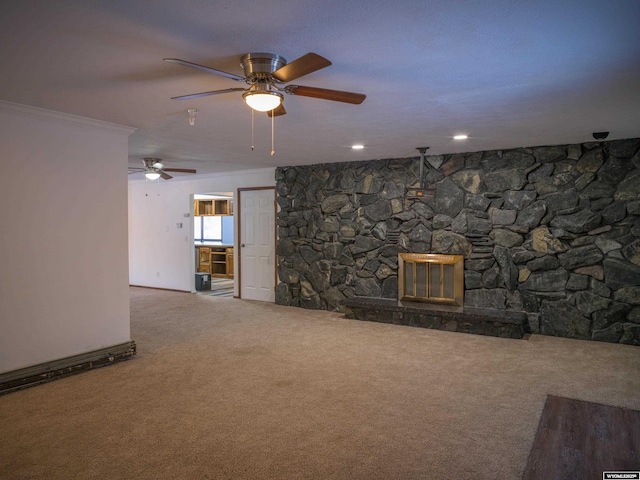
(273, 117)
(252, 142)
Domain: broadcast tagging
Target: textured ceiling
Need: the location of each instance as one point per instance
(507, 73)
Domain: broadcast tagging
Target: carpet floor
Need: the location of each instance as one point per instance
(224, 388)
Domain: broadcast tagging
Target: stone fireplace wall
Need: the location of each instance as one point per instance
(552, 231)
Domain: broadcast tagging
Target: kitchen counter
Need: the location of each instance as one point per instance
(213, 244)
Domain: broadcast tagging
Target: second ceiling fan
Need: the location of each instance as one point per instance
(153, 168)
(264, 73)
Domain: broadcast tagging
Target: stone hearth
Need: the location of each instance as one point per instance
(495, 323)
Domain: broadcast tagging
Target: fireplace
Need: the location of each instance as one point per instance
(431, 278)
(431, 295)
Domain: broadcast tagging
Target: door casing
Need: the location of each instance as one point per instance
(240, 237)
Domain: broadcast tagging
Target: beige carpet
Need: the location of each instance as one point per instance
(231, 389)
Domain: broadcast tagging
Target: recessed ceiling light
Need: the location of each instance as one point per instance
(460, 137)
(357, 147)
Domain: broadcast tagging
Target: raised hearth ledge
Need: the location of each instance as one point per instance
(479, 321)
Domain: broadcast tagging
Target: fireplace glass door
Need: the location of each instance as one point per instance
(431, 278)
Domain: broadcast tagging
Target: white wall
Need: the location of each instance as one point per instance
(63, 235)
(162, 255)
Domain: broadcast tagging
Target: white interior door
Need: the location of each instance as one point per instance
(257, 244)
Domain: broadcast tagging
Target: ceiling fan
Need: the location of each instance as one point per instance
(154, 168)
(265, 73)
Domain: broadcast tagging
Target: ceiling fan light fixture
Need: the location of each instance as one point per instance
(151, 175)
(263, 101)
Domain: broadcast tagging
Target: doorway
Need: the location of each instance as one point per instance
(214, 243)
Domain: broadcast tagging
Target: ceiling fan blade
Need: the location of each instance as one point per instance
(164, 175)
(204, 69)
(206, 94)
(326, 94)
(279, 110)
(304, 65)
(179, 170)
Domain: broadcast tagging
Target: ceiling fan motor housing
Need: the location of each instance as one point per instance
(260, 66)
(152, 162)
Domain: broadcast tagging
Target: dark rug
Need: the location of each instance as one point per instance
(581, 440)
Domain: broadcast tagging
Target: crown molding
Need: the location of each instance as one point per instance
(28, 110)
(216, 175)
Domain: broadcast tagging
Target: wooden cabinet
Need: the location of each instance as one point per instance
(230, 262)
(202, 207)
(223, 207)
(212, 207)
(218, 261)
(204, 259)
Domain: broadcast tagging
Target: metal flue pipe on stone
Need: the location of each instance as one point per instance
(422, 151)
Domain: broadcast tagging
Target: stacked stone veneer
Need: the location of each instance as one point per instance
(552, 231)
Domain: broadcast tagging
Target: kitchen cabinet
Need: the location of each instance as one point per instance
(203, 208)
(204, 259)
(216, 260)
(230, 262)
